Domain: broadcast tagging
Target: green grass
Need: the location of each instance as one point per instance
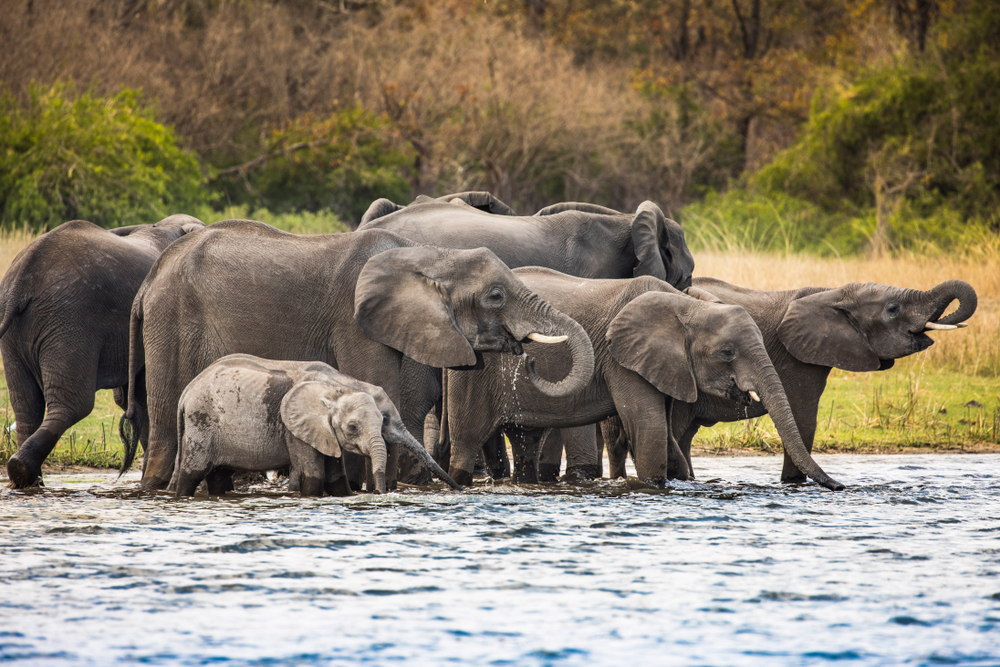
(321, 222)
(911, 407)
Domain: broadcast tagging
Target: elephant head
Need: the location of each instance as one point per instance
(334, 420)
(683, 346)
(658, 242)
(164, 232)
(865, 327)
(441, 306)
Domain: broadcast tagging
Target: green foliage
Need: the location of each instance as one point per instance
(341, 163)
(916, 143)
(303, 222)
(65, 156)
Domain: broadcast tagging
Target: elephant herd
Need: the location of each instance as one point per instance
(237, 346)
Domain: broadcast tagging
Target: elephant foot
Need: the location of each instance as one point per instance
(154, 483)
(461, 477)
(582, 473)
(22, 475)
(794, 479)
(548, 473)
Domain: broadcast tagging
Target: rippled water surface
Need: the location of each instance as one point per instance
(902, 568)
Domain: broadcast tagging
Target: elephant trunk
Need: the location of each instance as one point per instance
(941, 296)
(378, 454)
(772, 395)
(549, 322)
(397, 433)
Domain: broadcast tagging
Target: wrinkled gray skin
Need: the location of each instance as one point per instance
(579, 239)
(248, 413)
(809, 331)
(652, 344)
(64, 309)
(358, 302)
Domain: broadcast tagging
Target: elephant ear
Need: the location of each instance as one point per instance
(305, 411)
(379, 209)
(819, 329)
(648, 231)
(649, 337)
(480, 200)
(401, 303)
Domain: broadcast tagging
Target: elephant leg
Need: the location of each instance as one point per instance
(617, 447)
(526, 443)
(65, 405)
(583, 459)
(467, 436)
(643, 415)
(220, 481)
(336, 482)
(804, 403)
(495, 457)
(550, 457)
(28, 404)
(432, 431)
(187, 481)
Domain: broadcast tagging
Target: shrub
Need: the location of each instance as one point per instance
(341, 162)
(65, 156)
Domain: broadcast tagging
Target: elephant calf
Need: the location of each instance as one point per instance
(248, 413)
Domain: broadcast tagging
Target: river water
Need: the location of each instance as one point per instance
(901, 568)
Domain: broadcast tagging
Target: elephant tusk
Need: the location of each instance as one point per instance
(962, 325)
(754, 395)
(542, 338)
(939, 327)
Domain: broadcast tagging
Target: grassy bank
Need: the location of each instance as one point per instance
(946, 398)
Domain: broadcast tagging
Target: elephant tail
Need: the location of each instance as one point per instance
(12, 307)
(130, 424)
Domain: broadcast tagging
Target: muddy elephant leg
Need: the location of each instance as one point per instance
(526, 445)
(583, 459)
(220, 481)
(550, 457)
(495, 457)
(65, 405)
(617, 447)
(336, 482)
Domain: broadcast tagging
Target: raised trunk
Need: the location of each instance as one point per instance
(539, 317)
(399, 435)
(941, 296)
(772, 394)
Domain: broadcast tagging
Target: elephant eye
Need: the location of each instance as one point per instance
(495, 298)
(727, 353)
(892, 310)
(352, 428)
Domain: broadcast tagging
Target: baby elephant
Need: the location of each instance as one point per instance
(248, 413)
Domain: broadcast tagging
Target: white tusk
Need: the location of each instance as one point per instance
(542, 338)
(939, 327)
(754, 395)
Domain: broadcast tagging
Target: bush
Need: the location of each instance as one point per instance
(303, 222)
(65, 156)
(341, 163)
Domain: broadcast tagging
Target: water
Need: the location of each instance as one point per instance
(902, 568)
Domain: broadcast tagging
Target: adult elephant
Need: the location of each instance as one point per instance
(808, 332)
(358, 302)
(64, 311)
(579, 239)
(652, 344)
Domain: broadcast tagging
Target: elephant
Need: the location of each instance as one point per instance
(576, 238)
(248, 413)
(652, 345)
(358, 301)
(809, 331)
(64, 310)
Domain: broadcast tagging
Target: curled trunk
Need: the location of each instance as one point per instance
(546, 320)
(941, 296)
(775, 401)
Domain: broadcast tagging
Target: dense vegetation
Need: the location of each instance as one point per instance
(832, 127)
